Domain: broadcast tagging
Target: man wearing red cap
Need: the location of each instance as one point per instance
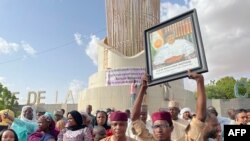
(162, 123)
(119, 123)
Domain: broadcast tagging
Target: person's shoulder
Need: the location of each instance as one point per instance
(196, 122)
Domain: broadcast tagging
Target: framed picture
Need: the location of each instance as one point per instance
(173, 47)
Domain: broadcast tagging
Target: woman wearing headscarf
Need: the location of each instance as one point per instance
(46, 130)
(25, 125)
(75, 130)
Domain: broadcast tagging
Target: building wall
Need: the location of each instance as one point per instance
(101, 96)
(222, 105)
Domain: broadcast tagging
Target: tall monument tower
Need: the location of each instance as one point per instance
(126, 22)
(121, 57)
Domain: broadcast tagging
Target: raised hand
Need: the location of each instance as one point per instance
(195, 76)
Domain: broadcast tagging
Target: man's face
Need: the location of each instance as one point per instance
(186, 115)
(128, 113)
(161, 130)
(212, 127)
(248, 117)
(119, 128)
(241, 118)
(89, 109)
(174, 111)
(58, 117)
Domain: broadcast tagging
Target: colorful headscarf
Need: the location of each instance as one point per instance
(6, 121)
(40, 134)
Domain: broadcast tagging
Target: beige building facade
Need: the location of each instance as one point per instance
(101, 96)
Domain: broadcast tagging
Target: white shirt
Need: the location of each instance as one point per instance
(179, 47)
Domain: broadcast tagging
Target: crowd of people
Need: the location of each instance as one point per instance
(174, 123)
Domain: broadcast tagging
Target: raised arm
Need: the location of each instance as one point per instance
(201, 96)
(137, 104)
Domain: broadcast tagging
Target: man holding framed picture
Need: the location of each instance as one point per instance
(200, 128)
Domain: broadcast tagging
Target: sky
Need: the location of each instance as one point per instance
(47, 45)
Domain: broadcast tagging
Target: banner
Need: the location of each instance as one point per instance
(124, 76)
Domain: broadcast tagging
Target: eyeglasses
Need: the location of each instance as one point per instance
(160, 126)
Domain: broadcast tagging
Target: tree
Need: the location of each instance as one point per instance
(242, 88)
(7, 99)
(224, 88)
(226, 85)
(214, 92)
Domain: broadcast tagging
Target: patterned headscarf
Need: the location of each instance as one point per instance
(39, 133)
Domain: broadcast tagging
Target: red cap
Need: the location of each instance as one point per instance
(118, 116)
(162, 116)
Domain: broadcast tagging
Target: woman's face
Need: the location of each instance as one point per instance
(101, 118)
(43, 124)
(28, 113)
(71, 120)
(8, 136)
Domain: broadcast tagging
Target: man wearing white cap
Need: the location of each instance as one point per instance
(186, 114)
(58, 115)
(179, 124)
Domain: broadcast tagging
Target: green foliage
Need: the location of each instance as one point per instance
(214, 92)
(242, 89)
(226, 85)
(7, 99)
(224, 88)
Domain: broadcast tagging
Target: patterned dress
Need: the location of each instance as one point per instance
(83, 134)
